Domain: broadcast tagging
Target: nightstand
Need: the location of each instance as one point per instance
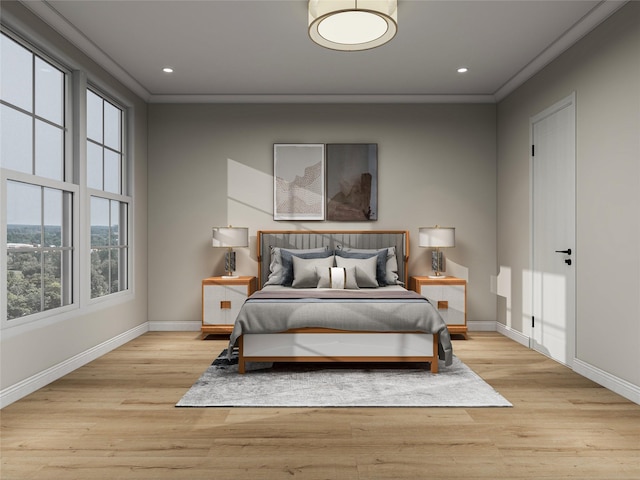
(221, 301)
(449, 296)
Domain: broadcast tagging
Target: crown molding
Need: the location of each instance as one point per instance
(321, 99)
(51, 17)
(592, 19)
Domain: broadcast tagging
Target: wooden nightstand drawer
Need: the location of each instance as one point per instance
(221, 301)
(449, 296)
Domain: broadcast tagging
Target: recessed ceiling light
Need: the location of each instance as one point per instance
(463, 70)
(167, 70)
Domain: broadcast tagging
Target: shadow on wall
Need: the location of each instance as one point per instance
(249, 188)
(250, 202)
(501, 286)
(457, 270)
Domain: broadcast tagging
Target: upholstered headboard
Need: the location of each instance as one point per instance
(332, 239)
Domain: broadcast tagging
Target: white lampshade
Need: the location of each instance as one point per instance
(437, 237)
(350, 25)
(230, 237)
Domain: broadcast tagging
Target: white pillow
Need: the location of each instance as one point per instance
(304, 270)
(325, 277)
(365, 269)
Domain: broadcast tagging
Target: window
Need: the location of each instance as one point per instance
(106, 180)
(39, 249)
(32, 113)
(46, 210)
(109, 250)
(104, 144)
(39, 201)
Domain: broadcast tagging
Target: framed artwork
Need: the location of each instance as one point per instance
(298, 181)
(352, 182)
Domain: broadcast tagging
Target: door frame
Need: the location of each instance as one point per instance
(528, 285)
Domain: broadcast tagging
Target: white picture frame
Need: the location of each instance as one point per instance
(298, 181)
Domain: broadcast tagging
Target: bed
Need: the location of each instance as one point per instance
(337, 296)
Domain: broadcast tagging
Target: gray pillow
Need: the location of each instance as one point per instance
(391, 267)
(381, 261)
(304, 270)
(281, 266)
(365, 270)
(324, 278)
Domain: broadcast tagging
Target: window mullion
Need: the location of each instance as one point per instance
(67, 254)
(123, 247)
(124, 177)
(42, 252)
(79, 127)
(109, 237)
(104, 170)
(33, 114)
(81, 267)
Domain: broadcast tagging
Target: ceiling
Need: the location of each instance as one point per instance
(259, 50)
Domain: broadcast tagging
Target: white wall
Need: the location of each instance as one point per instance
(604, 71)
(34, 355)
(213, 164)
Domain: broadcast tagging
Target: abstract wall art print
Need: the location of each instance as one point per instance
(352, 182)
(298, 181)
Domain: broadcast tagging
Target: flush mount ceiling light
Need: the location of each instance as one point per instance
(350, 25)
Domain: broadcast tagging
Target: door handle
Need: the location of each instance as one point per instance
(567, 251)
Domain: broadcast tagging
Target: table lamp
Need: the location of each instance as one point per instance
(437, 237)
(229, 237)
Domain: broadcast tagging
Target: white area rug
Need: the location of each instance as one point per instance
(340, 385)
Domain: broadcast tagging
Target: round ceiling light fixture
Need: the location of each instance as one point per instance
(351, 25)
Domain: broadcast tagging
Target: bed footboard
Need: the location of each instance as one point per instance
(321, 345)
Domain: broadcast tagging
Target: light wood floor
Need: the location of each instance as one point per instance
(115, 419)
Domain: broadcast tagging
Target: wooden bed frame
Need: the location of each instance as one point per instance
(328, 345)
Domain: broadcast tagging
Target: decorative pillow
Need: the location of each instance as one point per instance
(281, 266)
(381, 261)
(365, 269)
(304, 270)
(276, 271)
(391, 268)
(327, 277)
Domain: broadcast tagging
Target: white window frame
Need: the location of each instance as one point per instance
(123, 197)
(77, 80)
(6, 176)
(66, 184)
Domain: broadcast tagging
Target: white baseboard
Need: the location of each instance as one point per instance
(613, 383)
(186, 326)
(512, 334)
(29, 385)
(25, 387)
(481, 326)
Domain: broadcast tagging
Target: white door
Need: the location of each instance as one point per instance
(553, 228)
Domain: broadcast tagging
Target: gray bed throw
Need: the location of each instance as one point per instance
(386, 309)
